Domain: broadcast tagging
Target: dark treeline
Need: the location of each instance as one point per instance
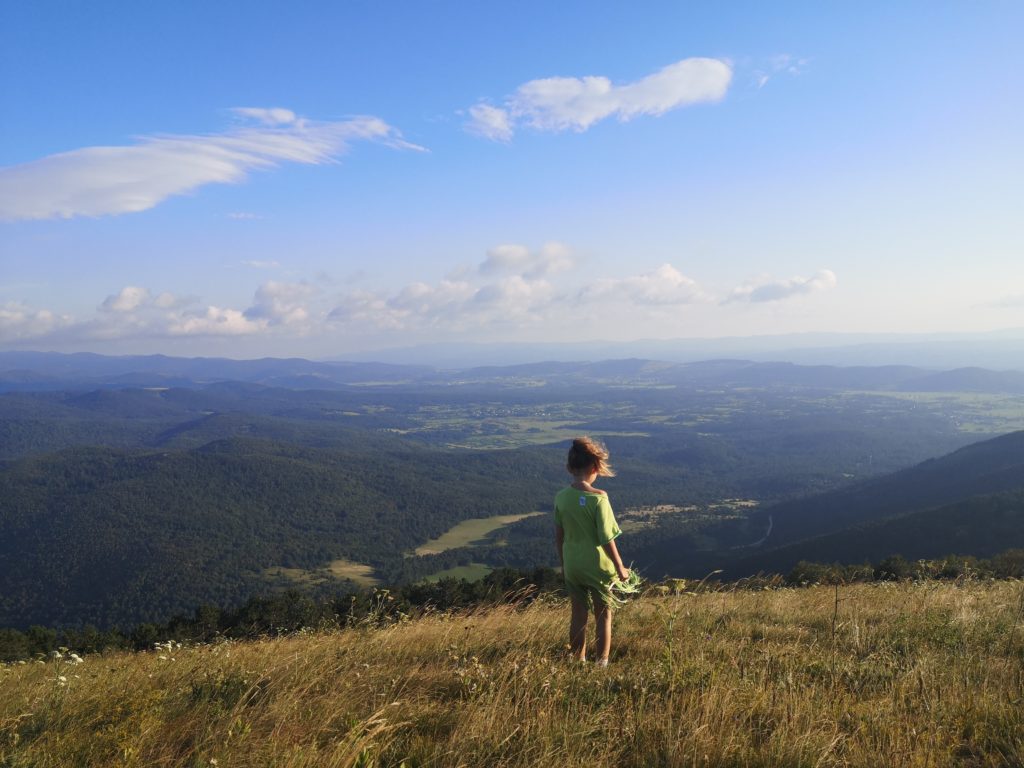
(292, 611)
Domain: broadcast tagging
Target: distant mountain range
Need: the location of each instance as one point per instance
(997, 350)
(36, 371)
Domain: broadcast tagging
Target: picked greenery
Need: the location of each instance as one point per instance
(631, 586)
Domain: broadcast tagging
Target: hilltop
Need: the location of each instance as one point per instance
(908, 674)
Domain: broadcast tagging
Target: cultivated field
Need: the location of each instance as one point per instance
(925, 674)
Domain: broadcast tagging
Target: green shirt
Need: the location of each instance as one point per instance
(589, 523)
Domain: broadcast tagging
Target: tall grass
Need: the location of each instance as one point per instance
(927, 674)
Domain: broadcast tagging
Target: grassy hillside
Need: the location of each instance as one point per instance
(885, 674)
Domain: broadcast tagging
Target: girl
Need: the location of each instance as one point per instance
(585, 531)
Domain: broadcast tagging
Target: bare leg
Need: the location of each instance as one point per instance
(603, 618)
(578, 631)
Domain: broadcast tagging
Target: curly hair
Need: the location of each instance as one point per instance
(587, 454)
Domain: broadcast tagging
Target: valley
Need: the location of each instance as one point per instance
(160, 498)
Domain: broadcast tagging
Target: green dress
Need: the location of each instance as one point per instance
(589, 523)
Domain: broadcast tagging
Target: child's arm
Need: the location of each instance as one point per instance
(613, 553)
(559, 540)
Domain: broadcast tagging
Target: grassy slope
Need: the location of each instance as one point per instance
(897, 675)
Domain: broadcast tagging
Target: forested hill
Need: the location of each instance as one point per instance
(987, 467)
(100, 535)
(980, 526)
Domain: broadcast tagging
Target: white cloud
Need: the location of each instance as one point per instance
(514, 292)
(216, 321)
(576, 103)
(767, 289)
(261, 263)
(552, 257)
(18, 321)
(131, 297)
(281, 303)
(101, 181)
(244, 216)
(490, 122)
(666, 285)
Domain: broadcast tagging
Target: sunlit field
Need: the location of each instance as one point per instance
(928, 674)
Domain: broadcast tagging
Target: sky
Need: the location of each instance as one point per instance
(319, 179)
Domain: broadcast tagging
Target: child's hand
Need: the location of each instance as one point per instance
(623, 572)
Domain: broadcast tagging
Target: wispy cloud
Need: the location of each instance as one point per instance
(782, 63)
(769, 289)
(490, 122)
(576, 103)
(261, 263)
(106, 181)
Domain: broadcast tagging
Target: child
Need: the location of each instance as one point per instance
(585, 531)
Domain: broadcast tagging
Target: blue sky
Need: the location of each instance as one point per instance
(321, 178)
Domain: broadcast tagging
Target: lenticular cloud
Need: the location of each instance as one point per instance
(105, 181)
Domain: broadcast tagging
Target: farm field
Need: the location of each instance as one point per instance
(467, 532)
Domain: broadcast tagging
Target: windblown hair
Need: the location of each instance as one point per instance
(587, 453)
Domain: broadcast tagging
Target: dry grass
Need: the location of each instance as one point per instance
(891, 675)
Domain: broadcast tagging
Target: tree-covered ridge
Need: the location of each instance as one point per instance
(102, 535)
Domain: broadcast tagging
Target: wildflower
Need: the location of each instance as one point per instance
(74, 658)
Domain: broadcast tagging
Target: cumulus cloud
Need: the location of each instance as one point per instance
(452, 305)
(508, 288)
(666, 285)
(18, 321)
(215, 321)
(277, 303)
(103, 181)
(576, 103)
(132, 297)
(135, 312)
(512, 258)
(767, 289)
